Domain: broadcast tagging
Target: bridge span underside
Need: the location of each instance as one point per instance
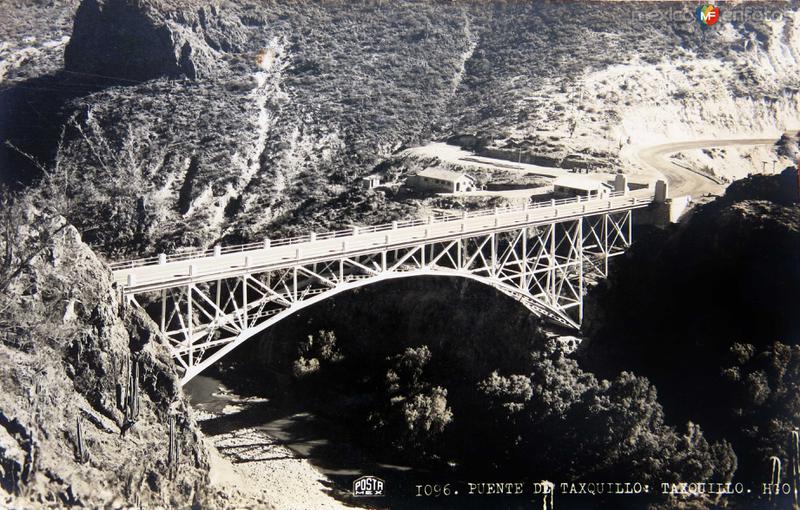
(544, 266)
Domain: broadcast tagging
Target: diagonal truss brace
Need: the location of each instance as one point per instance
(544, 267)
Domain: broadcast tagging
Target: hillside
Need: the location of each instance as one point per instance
(248, 120)
(558, 80)
(75, 429)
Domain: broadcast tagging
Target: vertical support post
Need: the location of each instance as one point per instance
(163, 310)
(552, 271)
(630, 228)
(189, 323)
(422, 256)
(244, 296)
(579, 239)
(524, 259)
(218, 299)
(493, 242)
(383, 261)
(605, 244)
(459, 256)
(294, 283)
(341, 270)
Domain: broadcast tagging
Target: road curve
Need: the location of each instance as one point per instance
(683, 181)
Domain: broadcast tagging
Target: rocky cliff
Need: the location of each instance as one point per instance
(134, 40)
(88, 390)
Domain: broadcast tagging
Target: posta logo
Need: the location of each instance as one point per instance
(707, 14)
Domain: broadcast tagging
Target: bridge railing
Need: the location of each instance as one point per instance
(438, 217)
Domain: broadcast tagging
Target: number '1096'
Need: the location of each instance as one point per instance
(434, 490)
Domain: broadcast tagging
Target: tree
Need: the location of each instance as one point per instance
(316, 352)
(561, 422)
(414, 411)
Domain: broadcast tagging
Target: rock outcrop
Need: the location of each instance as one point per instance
(74, 430)
(144, 39)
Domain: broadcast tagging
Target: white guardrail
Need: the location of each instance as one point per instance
(438, 217)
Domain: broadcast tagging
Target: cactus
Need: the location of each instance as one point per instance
(775, 478)
(81, 453)
(128, 395)
(121, 394)
(133, 401)
(172, 451)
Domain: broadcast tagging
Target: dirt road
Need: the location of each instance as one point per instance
(683, 181)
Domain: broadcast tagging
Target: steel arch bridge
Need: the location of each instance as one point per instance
(541, 254)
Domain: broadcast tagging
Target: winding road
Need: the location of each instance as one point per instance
(683, 181)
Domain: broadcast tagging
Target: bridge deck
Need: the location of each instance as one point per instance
(151, 274)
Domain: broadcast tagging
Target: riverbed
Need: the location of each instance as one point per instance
(292, 453)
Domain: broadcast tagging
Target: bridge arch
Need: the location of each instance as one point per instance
(542, 255)
(541, 310)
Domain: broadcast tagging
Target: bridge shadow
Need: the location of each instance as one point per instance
(267, 430)
(263, 431)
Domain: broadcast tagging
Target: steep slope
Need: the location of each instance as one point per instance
(564, 82)
(183, 37)
(75, 429)
(279, 122)
(246, 120)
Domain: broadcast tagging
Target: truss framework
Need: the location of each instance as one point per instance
(544, 267)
